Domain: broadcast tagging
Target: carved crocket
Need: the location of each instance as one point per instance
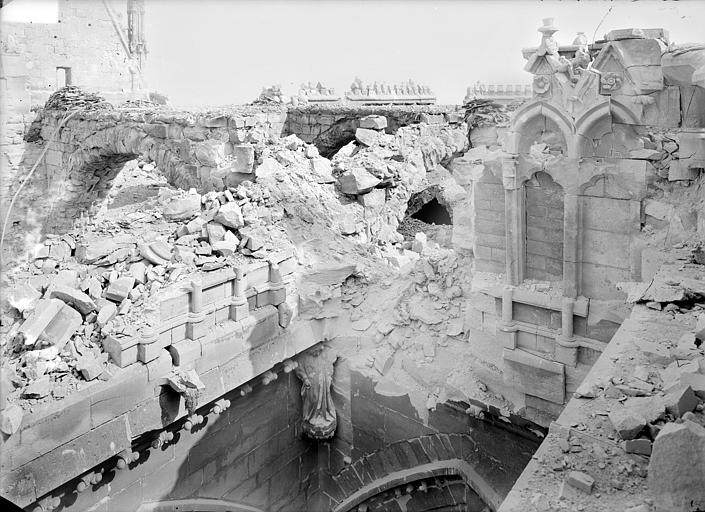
(315, 370)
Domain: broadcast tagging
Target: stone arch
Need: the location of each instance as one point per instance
(85, 175)
(409, 461)
(544, 212)
(196, 505)
(596, 124)
(430, 206)
(537, 119)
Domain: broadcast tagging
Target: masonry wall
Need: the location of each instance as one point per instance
(252, 453)
(83, 40)
(544, 228)
(490, 230)
(384, 423)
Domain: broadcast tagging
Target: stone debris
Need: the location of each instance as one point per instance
(677, 467)
(581, 481)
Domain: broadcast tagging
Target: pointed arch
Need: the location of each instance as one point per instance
(535, 109)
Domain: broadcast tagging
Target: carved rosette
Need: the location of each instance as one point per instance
(315, 370)
(542, 84)
(610, 82)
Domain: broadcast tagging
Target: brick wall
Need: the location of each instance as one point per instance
(544, 228)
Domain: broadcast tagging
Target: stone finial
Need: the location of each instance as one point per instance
(315, 370)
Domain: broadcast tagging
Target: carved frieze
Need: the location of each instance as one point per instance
(315, 370)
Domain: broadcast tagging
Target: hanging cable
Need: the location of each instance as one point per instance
(27, 178)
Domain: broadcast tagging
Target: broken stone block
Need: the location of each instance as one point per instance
(676, 476)
(182, 207)
(681, 401)
(106, 314)
(37, 389)
(581, 481)
(639, 446)
(64, 324)
(11, 419)
(89, 367)
(138, 270)
(374, 199)
(44, 312)
(95, 249)
(60, 251)
(224, 247)
(119, 289)
(23, 297)
(373, 122)
(230, 215)
(73, 297)
(357, 181)
(216, 232)
(696, 381)
(627, 423)
(366, 137)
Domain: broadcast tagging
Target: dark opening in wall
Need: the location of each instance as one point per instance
(433, 212)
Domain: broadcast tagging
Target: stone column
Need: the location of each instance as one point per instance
(572, 222)
(506, 324)
(566, 345)
(239, 308)
(514, 218)
(196, 314)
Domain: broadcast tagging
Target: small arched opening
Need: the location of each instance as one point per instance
(427, 212)
(544, 228)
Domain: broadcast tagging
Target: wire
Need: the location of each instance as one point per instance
(29, 176)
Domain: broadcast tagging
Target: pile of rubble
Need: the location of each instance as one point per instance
(102, 279)
(71, 97)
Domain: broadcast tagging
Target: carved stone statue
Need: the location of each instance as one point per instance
(315, 370)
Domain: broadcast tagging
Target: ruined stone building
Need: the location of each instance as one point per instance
(358, 302)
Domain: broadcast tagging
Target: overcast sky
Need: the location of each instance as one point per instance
(214, 52)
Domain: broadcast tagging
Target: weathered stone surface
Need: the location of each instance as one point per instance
(375, 198)
(581, 481)
(681, 401)
(210, 152)
(182, 207)
(685, 65)
(119, 289)
(230, 215)
(627, 423)
(641, 446)
(677, 468)
(216, 232)
(94, 249)
(52, 321)
(244, 158)
(106, 313)
(10, 419)
(23, 297)
(321, 168)
(373, 122)
(38, 389)
(357, 181)
(366, 137)
(73, 297)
